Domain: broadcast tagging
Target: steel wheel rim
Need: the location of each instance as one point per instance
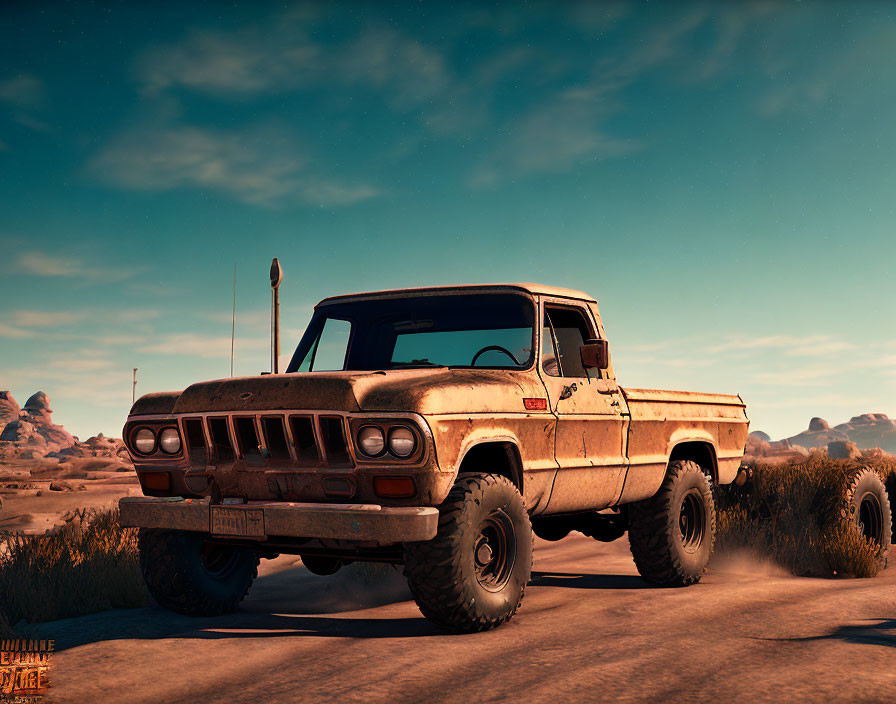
(217, 560)
(871, 522)
(692, 521)
(494, 551)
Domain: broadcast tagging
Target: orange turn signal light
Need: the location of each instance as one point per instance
(157, 481)
(394, 487)
(535, 404)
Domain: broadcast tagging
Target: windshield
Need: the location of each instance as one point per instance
(483, 330)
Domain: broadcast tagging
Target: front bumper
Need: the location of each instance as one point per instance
(384, 525)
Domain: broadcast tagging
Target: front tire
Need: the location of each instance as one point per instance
(473, 574)
(671, 534)
(189, 574)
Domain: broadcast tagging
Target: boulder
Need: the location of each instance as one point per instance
(76, 450)
(38, 405)
(60, 486)
(843, 450)
(9, 409)
(23, 434)
(759, 436)
(38, 412)
(876, 454)
(818, 424)
(867, 418)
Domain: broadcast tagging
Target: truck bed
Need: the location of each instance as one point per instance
(662, 419)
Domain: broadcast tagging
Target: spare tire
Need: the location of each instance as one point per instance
(869, 505)
(891, 493)
(862, 503)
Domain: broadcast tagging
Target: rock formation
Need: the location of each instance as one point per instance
(866, 435)
(30, 433)
(9, 409)
(867, 431)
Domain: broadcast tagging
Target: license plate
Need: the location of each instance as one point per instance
(242, 522)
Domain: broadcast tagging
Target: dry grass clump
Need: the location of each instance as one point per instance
(89, 564)
(794, 513)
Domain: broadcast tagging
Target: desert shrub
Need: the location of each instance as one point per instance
(793, 513)
(89, 564)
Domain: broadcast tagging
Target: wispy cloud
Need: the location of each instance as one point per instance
(789, 342)
(82, 365)
(850, 60)
(251, 319)
(43, 319)
(262, 166)
(38, 263)
(25, 91)
(811, 376)
(27, 320)
(280, 56)
(14, 333)
(551, 138)
(205, 346)
(570, 128)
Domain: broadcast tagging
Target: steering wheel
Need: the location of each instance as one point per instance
(496, 348)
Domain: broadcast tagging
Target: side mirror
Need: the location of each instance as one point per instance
(595, 354)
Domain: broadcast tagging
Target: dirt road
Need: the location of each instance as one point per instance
(589, 630)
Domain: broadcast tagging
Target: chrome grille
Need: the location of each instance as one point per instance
(297, 440)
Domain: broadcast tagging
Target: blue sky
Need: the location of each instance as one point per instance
(721, 177)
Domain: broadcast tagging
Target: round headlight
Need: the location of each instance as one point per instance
(402, 442)
(169, 440)
(145, 441)
(371, 441)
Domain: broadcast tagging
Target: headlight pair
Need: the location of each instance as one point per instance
(168, 441)
(372, 441)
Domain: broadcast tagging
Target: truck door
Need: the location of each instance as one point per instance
(590, 437)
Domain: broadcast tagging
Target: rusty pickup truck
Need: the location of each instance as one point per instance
(437, 429)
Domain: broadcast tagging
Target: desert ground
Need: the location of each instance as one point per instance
(589, 630)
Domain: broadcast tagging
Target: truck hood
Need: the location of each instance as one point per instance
(425, 391)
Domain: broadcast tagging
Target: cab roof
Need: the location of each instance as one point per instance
(534, 289)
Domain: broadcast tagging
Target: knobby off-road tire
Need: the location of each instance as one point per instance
(671, 534)
(891, 494)
(864, 500)
(473, 574)
(187, 574)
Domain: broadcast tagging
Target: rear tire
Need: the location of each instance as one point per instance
(473, 574)
(672, 534)
(187, 573)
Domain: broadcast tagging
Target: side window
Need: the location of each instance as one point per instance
(328, 353)
(548, 350)
(570, 330)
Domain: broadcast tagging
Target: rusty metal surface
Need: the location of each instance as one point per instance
(600, 446)
(354, 522)
(662, 420)
(271, 392)
(530, 288)
(157, 403)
